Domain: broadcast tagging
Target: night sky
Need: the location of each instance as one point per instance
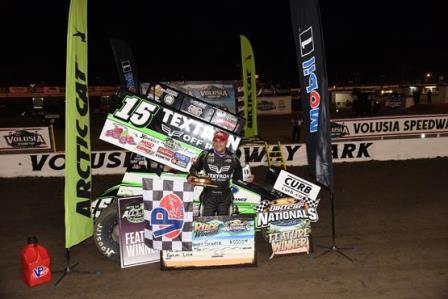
(366, 41)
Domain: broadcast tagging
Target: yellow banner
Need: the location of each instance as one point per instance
(250, 88)
(78, 180)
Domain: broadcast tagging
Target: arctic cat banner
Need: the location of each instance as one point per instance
(250, 88)
(308, 37)
(171, 136)
(126, 66)
(217, 241)
(25, 139)
(387, 126)
(78, 181)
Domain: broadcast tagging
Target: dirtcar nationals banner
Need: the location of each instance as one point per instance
(386, 126)
(25, 139)
(285, 222)
(171, 136)
(133, 250)
(217, 241)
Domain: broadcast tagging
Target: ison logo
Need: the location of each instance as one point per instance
(306, 42)
(168, 219)
(40, 271)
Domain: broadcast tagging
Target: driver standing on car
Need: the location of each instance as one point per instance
(221, 166)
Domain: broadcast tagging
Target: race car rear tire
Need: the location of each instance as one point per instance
(106, 233)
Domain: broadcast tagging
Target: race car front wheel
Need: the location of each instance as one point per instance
(106, 233)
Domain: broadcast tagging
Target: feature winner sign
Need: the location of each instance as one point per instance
(286, 222)
(171, 130)
(133, 250)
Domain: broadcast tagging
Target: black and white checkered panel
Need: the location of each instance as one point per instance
(153, 191)
(312, 203)
(262, 206)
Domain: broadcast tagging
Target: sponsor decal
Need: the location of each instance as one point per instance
(168, 219)
(164, 151)
(180, 159)
(217, 169)
(212, 91)
(225, 120)
(295, 186)
(133, 212)
(145, 146)
(265, 106)
(121, 134)
(40, 271)
(171, 132)
(236, 225)
(194, 110)
(306, 42)
(309, 68)
(206, 228)
(339, 130)
(133, 250)
(24, 138)
(285, 211)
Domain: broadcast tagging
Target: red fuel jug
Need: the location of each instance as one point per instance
(35, 263)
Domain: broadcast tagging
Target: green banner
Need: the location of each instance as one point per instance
(78, 181)
(250, 88)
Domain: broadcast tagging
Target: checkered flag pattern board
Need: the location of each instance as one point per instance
(262, 206)
(313, 203)
(168, 208)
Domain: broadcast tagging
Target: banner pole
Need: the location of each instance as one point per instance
(53, 140)
(334, 247)
(71, 269)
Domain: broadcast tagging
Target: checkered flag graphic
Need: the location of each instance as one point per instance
(312, 203)
(172, 231)
(263, 206)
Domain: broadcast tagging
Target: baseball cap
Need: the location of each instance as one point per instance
(221, 136)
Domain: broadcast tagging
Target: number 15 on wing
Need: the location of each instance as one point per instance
(136, 110)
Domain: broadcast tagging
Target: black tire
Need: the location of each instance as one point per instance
(106, 233)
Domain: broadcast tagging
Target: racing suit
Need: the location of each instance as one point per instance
(221, 168)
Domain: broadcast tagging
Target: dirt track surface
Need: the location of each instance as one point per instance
(395, 214)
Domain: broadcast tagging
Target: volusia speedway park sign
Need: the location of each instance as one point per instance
(386, 126)
(115, 162)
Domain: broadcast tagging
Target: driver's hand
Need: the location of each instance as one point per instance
(250, 179)
(190, 179)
